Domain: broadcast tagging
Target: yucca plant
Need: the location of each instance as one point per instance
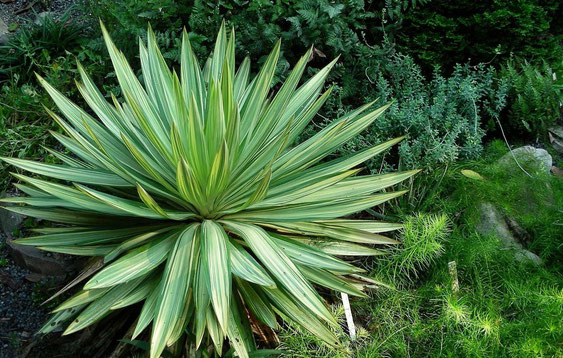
(192, 193)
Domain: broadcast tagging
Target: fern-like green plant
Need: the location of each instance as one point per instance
(192, 194)
(534, 99)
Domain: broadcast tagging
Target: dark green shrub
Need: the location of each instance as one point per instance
(533, 104)
(447, 32)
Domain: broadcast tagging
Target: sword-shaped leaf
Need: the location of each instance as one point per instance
(217, 253)
(136, 263)
(174, 288)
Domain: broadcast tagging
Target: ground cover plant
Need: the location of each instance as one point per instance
(196, 197)
(502, 307)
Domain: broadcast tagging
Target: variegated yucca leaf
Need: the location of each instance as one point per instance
(202, 206)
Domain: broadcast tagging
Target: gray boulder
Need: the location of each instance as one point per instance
(492, 222)
(34, 260)
(528, 157)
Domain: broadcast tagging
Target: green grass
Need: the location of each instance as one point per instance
(504, 308)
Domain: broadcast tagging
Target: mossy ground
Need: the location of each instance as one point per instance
(504, 308)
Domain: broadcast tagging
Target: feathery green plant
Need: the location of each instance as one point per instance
(192, 195)
(534, 99)
(422, 243)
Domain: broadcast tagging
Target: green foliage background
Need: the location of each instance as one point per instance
(449, 32)
(389, 49)
(453, 69)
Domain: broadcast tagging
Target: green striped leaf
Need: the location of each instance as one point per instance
(245, 266)
(217, 253)
(136, 263)
(285, 271)
(79, 175)
(174, 288)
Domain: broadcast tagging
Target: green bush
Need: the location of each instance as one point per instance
(444, 118)
(447, 32)
(534, 99)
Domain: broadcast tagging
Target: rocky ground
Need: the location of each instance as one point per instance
(21, 292)
(28, 277)
(14, 12)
